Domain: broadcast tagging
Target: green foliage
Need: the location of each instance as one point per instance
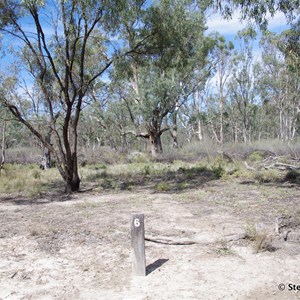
(260, 10)
(256, 156)
(163, 187)
(276, 72)
(158, 72)
(172, 62)
(193, 171)
(36, 174)
(94, 177)
(218, 171)
(289, 45)
(64, 67)
(29, 3)
(147, 169)
(267, 176)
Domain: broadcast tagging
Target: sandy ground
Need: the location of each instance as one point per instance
(79, 247)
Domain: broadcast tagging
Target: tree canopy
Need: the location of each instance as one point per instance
(79, 74)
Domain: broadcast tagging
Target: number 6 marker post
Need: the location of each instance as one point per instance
(138, 244)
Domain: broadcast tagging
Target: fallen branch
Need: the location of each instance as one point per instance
(281, 166)
(248, 167)
(286, 166)
(166, 241)
(186, 242)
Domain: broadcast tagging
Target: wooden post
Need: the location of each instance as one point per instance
(138, 244)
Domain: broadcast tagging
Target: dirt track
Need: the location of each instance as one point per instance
(79, 247)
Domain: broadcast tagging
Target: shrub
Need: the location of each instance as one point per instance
(23, 155)
(292, 176)
(98, 155)
(94, 176)
(147, 169)
(163, 187)
(138, 157)
(256, 156)
(218, 172)
(267, 176)
(199, 150)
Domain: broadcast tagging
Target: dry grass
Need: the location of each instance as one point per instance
(262, 240)
(173, 176)
(28, 180)
(31, 181)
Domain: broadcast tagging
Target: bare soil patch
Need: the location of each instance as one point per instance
(79, 247)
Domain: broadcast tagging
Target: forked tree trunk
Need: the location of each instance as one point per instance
(71, 75)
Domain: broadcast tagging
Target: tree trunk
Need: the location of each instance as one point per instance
(198, 111)
(155, 144)
(221, 113)
(3, 146)
(124, 144)
(73, 185)
(46, 161)
(154, 132)
(174, 132)
(199, 132)
(72, 179)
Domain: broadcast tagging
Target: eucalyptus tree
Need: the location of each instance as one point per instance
(160, 77)
(278, 84)
(106, 125)
(241, 89)
(222, 55)
(62, 48)
(289, 45)
(259, 11)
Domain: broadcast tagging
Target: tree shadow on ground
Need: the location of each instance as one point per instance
(288, 179)
(167, 182)
(50, 192)
(37, 200)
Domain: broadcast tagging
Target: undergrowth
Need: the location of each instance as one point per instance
(172, 176)
(28, 180)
